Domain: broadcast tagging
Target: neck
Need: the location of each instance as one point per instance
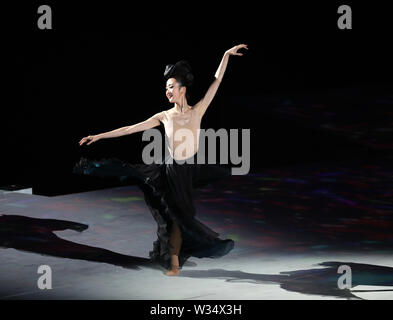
(180, 107)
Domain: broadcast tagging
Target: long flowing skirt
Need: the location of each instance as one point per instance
(168, 189)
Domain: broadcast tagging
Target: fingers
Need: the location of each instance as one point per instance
(243, 46)
(82, 141)
(90, 139)
(238, 47)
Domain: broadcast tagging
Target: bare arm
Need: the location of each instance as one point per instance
(202, 105)
(141, 126)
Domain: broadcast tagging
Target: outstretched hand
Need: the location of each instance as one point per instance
(233, 51)
(89, 140)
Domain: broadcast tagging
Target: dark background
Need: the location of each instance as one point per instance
(101, 68)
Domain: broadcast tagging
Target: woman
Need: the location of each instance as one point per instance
(168, 187)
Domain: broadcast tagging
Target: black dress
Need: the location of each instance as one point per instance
(167, 190)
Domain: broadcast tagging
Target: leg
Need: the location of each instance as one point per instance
(175, 241)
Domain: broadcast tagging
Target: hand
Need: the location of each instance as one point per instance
(89, 140)
(233, 51)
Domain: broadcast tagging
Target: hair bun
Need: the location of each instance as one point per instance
(181, 70)
(190, 77)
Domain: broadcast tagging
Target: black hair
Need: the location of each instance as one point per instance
(182, 72)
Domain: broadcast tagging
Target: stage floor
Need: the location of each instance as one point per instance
(293, 228)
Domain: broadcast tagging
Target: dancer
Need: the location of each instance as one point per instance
(168, 187)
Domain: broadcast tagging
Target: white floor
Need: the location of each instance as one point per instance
(242, 274)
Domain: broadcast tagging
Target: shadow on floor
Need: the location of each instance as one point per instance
(317, 281)
(36, 235)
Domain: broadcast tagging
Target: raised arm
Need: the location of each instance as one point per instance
(202, 105)
(153, 121)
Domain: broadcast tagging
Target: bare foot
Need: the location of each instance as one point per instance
(173, 272)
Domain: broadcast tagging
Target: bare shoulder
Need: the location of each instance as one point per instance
(169, 112)
(159, 115)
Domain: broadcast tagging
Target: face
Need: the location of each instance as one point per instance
(174, 92)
